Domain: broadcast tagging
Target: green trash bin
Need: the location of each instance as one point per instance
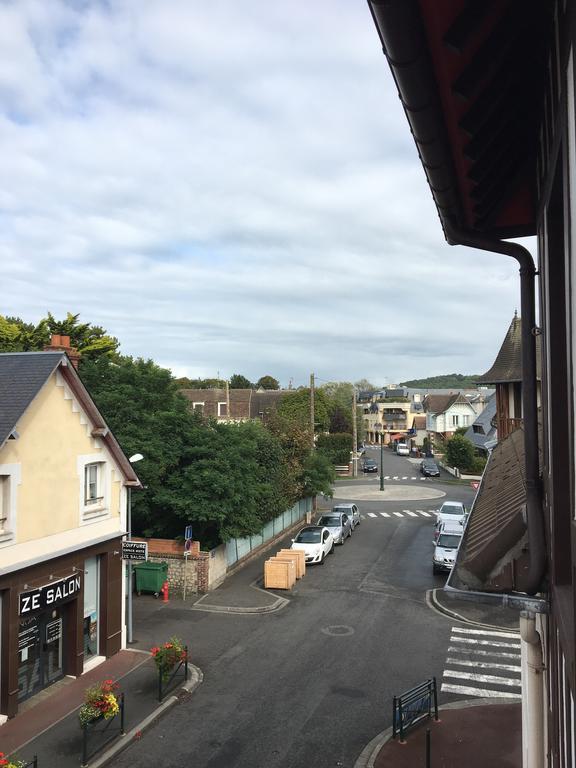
(150, 577)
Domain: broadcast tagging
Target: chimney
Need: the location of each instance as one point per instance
(59, 343)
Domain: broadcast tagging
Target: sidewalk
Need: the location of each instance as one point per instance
(474, 734)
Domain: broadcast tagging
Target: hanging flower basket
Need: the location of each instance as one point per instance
(10, 762)
(168, 656)
(100, 703)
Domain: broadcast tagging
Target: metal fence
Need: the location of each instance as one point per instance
(236, 549)
(98, 733)
(168, 682)
(413, 706)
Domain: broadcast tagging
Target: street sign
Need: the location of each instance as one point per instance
(187, 546)
(188, 532)
(134, 550)
(475, 484)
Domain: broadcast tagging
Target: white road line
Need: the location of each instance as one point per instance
(467, 691)
(484, 642)
(398, 514)
(485, 665)
(414, 478)
(412, 514)
(478, 652)
(372, 514)
(466, 631)
(493, 679)
(404, 478)
(384, 514)
(423, 479)
(387, 477)
(424, 514)
(395, 477)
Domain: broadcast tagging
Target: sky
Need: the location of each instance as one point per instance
(231, 188)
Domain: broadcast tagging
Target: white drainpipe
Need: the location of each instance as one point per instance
(533, 694)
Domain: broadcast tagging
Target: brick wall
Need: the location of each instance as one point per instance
(192, 570)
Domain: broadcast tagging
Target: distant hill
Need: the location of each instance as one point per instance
(447, 381)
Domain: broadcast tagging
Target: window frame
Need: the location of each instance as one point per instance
(11, 474)
(98, 506)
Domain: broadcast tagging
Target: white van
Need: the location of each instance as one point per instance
(402, 449)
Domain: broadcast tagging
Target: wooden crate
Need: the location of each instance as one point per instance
(299, 558)
(279, 574)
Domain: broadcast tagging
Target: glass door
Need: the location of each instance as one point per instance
(52, 638)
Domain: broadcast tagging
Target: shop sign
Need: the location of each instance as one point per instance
(50, 594)
(29, 634)
(134, 550)
(53, 630)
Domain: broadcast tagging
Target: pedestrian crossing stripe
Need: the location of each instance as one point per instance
(424, 514)
(372, 514)
(495, 633)
(479, 652)
(384, 514)
(493, 643)
(404, 513)
(465, 690)
(484, 664)
(409, 512)
(475, 677)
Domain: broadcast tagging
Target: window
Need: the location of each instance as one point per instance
(198, 407)
(222, 409)
(93, 484)
(4, 505)
(9, 480)
(465, 420)
(455, 420)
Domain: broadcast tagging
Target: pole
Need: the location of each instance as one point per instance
(129, 617)
(227, 400)
(185, 573)
(381, 462)
(312, 423)
(354, 436)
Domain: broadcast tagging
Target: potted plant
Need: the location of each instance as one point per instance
(168, 655)
(100, 702)
(10, 762)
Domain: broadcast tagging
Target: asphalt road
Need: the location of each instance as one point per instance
(312, 684)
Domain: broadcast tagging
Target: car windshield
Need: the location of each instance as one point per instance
(344, 510)
(452, 509)
(308, 537)
(329, 520)
(449, 541)
(369, 463)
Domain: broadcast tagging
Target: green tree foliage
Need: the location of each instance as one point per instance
(446, 381)
(365, 385)
(185, 383)
(336, 447)
(295, 406)
(237, 381)
(318, 475)
(460, 453)
(18, 336)
(340, 419)
(267, 382)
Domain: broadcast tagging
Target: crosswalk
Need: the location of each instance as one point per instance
(482, 662)
(405, 513)
(402, 477)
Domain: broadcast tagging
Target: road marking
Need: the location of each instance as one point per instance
(408, 512)
(384, 514)
(404, 478)
(387, 477)
(372, 514)
(484, 665)
(484, 642)
(424, 514)
(423, 479)
(466, 631)
(398, 514)
(414, 478)
(494, 679)
(395, 477)
(478, 652)
(483, 692)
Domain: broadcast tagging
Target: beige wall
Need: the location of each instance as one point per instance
(53, 445)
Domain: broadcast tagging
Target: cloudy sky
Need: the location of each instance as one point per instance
(231, 187)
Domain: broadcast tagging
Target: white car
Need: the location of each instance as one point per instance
(451, 512)
(402, 449)
(446, 547)
(316, 541)
(351, 510)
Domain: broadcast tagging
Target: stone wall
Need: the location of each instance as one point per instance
(192, 570)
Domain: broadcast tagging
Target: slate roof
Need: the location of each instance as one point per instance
(482, 432)
(22, 376)
(419, 422)
(441, 403)
(507, 367)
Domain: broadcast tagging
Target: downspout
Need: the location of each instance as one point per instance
(534, 516)
(533, 693)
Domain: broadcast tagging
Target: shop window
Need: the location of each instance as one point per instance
(91, 605)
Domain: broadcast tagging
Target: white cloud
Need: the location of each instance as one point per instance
(231, 191)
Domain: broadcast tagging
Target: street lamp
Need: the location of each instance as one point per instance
(382, 460)
(133, 459)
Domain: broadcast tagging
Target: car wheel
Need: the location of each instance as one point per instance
(434, 569)
(342, 540)
(322, 558)
(332, 549)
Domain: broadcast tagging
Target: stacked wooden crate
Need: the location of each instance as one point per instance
(279, 574)
(299, 558)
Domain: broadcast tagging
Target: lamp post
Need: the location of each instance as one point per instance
(133, 459)
(382, 460)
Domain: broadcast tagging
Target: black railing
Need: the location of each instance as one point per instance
(166, 681)
(96, 734)
(413, 706)
(30, 764)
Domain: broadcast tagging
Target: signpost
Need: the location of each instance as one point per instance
(187, 548)
(134, 550)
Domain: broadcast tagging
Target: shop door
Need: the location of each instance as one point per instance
(40, 652)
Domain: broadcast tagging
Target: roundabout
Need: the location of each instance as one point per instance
(390, 493)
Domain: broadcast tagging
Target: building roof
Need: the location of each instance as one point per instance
(493, 554)
(507, 367)
(471, 78)
(482, 433)
(244, 403)
(419, 422)
(441, 403)
(22, 376)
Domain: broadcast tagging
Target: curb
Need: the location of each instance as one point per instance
(371, 751)
(277, 605)
(196, 677)
(434, 604)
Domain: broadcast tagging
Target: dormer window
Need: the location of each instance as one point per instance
(93, 494)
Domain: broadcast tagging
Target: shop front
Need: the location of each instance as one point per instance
(57, 619)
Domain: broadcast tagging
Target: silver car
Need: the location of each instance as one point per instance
(351, 510)
(339, 525)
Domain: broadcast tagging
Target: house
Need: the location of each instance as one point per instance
(235, 404)
(506, 375)
(387, 419)
(483, 433)
(489, 93)
(63, 494)
(447, 413)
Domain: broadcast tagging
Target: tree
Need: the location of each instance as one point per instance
(459, 453)
(237, 381)
(18, 336)
(318, 475)
(186, 383)
(267, 382)
(296, 406)
(446, 381)
(336, 447)
(365, 385)
(340, 419)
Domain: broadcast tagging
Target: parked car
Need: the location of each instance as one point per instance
(315, 541)
(446, 546)
(450, 512)
(339, 525)
(402, 449)
(369, 465)
(429, 468)
(351, 510)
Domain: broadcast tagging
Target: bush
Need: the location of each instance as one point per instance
(336, 447)
(459, 453)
